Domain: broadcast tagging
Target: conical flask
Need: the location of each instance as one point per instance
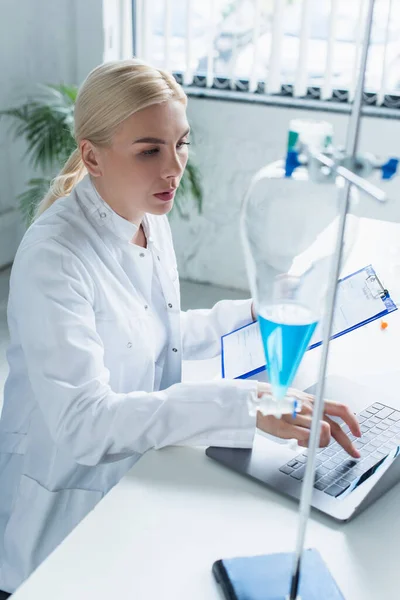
(289, 227)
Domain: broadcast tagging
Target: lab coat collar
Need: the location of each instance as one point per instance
(103, 214)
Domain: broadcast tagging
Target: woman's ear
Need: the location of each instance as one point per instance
(90, 158)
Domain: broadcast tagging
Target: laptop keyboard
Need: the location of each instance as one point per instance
(335, 469)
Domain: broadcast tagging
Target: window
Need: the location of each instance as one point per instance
(304, 48)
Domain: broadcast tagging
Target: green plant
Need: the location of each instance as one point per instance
(46, 124)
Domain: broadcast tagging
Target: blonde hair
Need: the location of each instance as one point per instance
(111, 93)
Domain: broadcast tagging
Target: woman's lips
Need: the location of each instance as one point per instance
(166, 196)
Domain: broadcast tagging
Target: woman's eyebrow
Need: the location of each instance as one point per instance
(153, 140)
(149, 140)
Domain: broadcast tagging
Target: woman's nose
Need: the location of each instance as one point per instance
(173, 166)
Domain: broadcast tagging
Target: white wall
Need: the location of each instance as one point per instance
(49, 41)
(232, 141)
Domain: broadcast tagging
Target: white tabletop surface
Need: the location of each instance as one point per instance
(158, 532)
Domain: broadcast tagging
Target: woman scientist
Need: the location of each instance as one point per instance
(97, 335)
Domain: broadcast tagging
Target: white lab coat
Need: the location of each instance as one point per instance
(80, 407)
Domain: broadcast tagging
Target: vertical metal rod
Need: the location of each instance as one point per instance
(344, 197)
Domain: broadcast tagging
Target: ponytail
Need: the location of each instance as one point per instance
(73, 171)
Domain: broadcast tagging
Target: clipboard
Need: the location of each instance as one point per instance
(360, 293)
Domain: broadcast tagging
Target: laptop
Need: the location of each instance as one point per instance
(343, 486)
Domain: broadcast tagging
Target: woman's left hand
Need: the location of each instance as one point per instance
(299, 427)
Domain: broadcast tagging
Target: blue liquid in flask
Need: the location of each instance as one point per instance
(286, 330)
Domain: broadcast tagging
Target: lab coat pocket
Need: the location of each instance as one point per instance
(40, 520)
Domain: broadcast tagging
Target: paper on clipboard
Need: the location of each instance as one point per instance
(360, 299)
(356, 303)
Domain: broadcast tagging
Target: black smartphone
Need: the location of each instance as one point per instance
(221, 577)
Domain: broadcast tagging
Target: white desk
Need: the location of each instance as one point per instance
(157, 533)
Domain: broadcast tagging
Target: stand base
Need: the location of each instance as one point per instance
(268, 577)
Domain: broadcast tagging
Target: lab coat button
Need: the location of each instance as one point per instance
(174, 350)
(169, 305)
(141, 254)
(129, 345)
(103, 215)
(145, 307)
